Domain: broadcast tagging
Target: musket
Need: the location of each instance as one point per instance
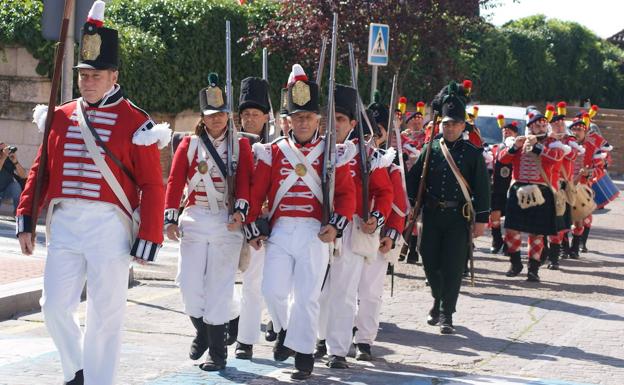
(329, 153)
(364, 161)
(396, 130)
(232, 135)
(420, 195)
(272, 126)
(321, 64)
(54, 90)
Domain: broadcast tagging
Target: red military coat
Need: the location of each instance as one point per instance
(273, 168)
(526, 166)
(131, 136)
(183, 172)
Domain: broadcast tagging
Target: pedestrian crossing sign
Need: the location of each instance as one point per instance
(378, 39)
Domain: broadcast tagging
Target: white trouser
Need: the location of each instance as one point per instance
(339, 298)
(252, 301)
(296, 260)
(208, 262)
(88, 240)
(370, 293)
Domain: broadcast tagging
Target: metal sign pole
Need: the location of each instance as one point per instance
(373, 84)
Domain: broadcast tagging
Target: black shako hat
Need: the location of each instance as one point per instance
(99, 46)
(283, 102)
(254, 93)
(212, 99)
(345, 99)
(303, 96)
(379, 111)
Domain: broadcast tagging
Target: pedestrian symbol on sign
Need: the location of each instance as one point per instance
(378, 38)
(379, 48)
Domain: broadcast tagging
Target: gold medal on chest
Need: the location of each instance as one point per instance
(300, 169)
(202, 167)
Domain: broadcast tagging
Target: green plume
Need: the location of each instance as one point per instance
(376, 96)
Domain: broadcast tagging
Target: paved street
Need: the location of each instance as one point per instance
(568, 330)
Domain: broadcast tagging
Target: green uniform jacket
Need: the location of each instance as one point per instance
(442, 184)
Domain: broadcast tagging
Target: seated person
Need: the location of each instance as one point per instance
(10, 171)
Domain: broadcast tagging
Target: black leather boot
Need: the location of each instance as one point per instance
(304, 363)
(516, 264)
(446, 324)
(78, 379)
(281, 352)
(433, 318)
(497, 240)
(363, 352)
(200, 342)
(532, 274)
(270, 334)
(321, 349)
(584, 236)
(232, 331)
(574, 249)
(565, 246)
(243, 351)
(553, 256)
(337, 362)
(413, 256)
(217, 349)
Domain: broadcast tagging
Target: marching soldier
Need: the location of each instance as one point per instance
(288, 174)
(501, 179)
(457, 192)
(210, 242)
(91, 192)
(566, 168)
(253, 109)
(531, 202)
(370, 289)
(589, 163)
(360, 239)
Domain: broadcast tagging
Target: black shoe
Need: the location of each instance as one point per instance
(200, 342)
(304, 363)
(516, 264)
(553, 256)
(553, 266)
(281, 352)
(337, 362)
(232, 331)
(532, 274)
(497, 240)
(363, 352)
(269, 334)
(446, 324)
(78, 379)
(243, 351)
(433, 318)
(217, 349)
(413, 256)
(299, 374)
(574, 249)
(584, 236)
(321, 349)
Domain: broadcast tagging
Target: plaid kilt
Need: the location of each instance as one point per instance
(540, 219)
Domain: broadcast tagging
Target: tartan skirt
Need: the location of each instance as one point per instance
(540, 219)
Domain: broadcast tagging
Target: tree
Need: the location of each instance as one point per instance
(425, 38)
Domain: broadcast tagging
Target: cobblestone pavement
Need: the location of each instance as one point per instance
(567, 330)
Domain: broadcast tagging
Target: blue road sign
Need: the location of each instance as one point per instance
(378, 40)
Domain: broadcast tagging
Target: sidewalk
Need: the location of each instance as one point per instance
(565, 331)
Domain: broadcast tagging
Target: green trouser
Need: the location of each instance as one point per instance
(443, 247)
